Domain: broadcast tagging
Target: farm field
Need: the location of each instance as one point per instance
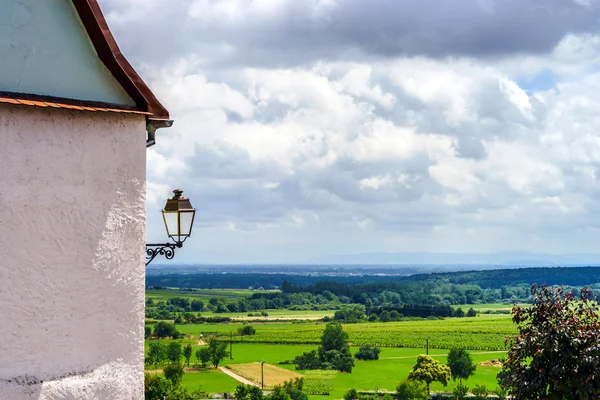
(273, 375)
(392, 367)
(484, 332)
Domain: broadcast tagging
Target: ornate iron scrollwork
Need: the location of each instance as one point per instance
(163, 249)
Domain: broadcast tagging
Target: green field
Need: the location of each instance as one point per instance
(393, 366)
(484, 332)
(401, 342)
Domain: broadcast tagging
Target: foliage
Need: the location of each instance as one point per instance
(471, 312)
(350, 314)
(460, 363)
(412, 390)
(480, 392)
(308, 360)
(429, 370)
(174, 352)
(351, 394)
(248, 392)
(334, 352)
(187, 353)
(218, 351)
(557, 351)
(147, 332)
(203, 355)
(367, 352)
(460, 391)
(334, 349)
(156, 387)
(174, 373)
(157, 353)
(246, 330)
(501, 393)
(164, 329)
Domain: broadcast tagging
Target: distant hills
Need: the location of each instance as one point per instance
(506, 258)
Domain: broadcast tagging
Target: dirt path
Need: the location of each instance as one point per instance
(236, 376)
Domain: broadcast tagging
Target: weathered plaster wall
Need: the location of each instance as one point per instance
(45, 50)
(72, 232)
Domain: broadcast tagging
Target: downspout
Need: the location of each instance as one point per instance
(152, 125)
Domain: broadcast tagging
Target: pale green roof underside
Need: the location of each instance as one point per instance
(44, 49)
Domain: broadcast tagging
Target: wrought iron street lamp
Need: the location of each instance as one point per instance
(178, 216)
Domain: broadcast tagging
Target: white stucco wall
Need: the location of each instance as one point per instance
(72, 232)
(45, 50)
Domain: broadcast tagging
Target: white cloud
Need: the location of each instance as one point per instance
(375, 148)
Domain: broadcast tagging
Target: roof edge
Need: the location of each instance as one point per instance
(109, 53)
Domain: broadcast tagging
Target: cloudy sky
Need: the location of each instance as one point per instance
(306, 128)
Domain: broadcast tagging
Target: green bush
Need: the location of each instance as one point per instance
(412, 390)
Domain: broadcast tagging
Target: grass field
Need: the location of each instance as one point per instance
(392, 367)
(210, 382)
(273, 375)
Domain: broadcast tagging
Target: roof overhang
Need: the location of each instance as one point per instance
(109, 53)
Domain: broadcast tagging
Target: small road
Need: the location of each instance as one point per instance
(235, 376)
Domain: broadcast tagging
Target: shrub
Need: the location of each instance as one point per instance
(367, 352)
(460, 391)
(480, 392)
(247, 330)
(351, 394)
(412, 390)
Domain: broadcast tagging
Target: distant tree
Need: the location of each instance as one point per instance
(461, 364)
(203, 355)
(264, 314)
(164, 329)
(147, 332)
(157, 353)
(367, 352)
(246, 330)
(308, 360)
(174, 352)
(334, 349)
(156, 387)
(179, 319)
(395, 315)
(174, 373)
(187, 353)
(385, 316)
(197, 305)
(368, 307)
(555, 355)
(459, 312)
(218, 351)
(373, 318)
(412, 390)
(429, 370)
(471, 312)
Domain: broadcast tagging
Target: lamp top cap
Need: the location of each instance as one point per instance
(178, 202)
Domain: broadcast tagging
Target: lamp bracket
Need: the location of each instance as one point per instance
(162, 249)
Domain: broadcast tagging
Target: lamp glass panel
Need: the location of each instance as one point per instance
(171, 223)
(186, 221)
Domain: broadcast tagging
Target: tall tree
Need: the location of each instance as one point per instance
(187, 353)
(218, 351)
(429, 370)
(334, 350)
(157, 353)
(203, 354)
(557, 351)
(461, 364)
(174, 352)
(174, 373)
